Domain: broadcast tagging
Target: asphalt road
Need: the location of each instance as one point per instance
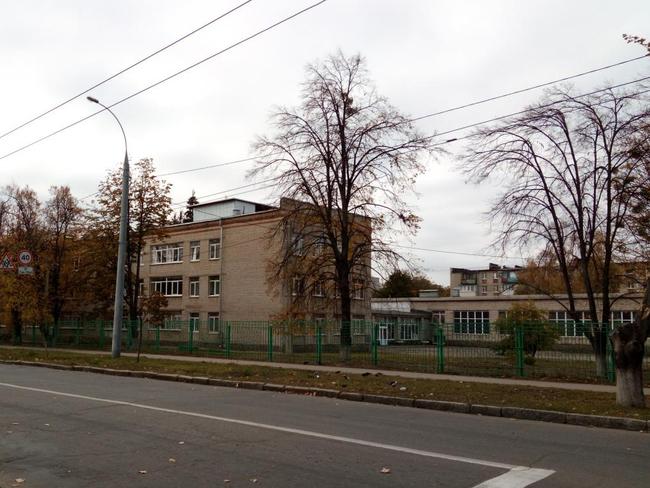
(73, 429)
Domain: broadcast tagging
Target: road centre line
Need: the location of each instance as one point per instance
(515, 477)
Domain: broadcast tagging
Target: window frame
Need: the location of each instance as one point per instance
(319, 289)
(211, 281)
(358, 286)
(214, 323)
(167, 253)
(469, 322)
(195, 251)
(299, 290)
(168, 284)
(194, 322)
(214, 249)
(194, 281)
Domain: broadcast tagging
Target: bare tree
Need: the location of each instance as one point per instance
(345, 159)
(569, 180)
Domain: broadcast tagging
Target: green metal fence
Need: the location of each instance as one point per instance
(519, 351)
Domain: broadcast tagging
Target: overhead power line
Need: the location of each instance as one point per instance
(180, 204)
(523, 90)
(124, 70)
(164, 80)
(537, 107)
(228, 163)
(450, 131)
(452, 109)
(457, 252)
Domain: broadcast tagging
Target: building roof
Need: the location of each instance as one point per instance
(225, 200)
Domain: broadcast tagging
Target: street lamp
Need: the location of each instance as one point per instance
(121, 253)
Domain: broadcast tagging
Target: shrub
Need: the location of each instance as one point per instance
(538, 333)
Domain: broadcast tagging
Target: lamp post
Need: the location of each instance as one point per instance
(121, 254)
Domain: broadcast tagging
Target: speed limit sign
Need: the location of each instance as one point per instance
(25, 257)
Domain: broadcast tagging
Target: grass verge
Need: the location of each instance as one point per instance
(585, 402)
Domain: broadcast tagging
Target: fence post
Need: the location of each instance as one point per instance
(101, 334)
(190, 337)
(440, 349)
(157, 339)
(270, 343)
(33, 335)
(375, 341)
(319, 344)
(77, 334)
(228, 340)
(129, 334)
(519, 350)
(611, 368)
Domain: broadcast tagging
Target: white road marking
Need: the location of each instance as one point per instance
(518, 477)
(515, 477)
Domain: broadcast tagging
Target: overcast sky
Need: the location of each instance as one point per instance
(424, 56)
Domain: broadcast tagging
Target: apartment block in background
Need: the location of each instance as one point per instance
(494, 280)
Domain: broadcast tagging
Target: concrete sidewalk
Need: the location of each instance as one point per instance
(348, 370)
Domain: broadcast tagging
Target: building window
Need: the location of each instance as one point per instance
(483, 290)
(213, 323)
(357, 289)
(297, 286)
(319, 319)
(483, 277)
(214, 286)
(622, 317)
(318, 289)
(358, 325)
(168, 286)
(438, 316)
(409, 329)
(389, 324)
(319, 244)
(141, 288)
(472, 322)
(195, 250)
(298, 245)
(173, 321)
(194, 286)
(167, 253)
(215, 248)
(195, 322)
(566, 325)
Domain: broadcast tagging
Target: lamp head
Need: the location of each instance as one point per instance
(92, 99)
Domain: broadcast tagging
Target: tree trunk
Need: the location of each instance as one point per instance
(629, 351)
(628, 341)
(17, 322)
(139, 339)
(345, 348)
(598, 340)
(629, 388)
